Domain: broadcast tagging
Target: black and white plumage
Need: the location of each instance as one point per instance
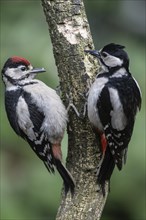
(113, 101)
(36, 113)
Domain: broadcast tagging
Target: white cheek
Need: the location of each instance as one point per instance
(112, 61)
(10, 72)
(15, 73)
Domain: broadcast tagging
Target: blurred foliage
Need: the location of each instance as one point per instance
(28, 192)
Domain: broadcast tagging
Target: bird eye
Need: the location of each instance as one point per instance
(104, 54)
(23, 68)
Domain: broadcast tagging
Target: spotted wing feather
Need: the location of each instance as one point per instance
(31, 129)
(117, 140)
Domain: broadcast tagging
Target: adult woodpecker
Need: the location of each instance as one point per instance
(36, 113)
(113, 101)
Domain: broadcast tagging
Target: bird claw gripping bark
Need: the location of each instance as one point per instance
(71, 105)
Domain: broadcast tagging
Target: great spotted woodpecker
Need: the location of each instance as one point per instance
(36, 113)
(113, 101)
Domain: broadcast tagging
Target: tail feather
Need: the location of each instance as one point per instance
(106, 169)
(66, 176)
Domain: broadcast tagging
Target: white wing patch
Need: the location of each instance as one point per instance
(118, 118)
(24, 119)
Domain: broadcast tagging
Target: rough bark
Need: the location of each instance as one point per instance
(70, 35)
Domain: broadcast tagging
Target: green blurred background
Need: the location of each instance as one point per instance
(28, 192)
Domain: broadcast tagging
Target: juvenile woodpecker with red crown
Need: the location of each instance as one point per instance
(36, 113)
(113, 101)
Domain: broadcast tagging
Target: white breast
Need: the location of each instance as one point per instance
(94, 94)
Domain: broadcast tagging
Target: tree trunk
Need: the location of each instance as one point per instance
(70, 35)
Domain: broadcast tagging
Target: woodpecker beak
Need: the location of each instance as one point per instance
(37, 70)
(93, 52)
